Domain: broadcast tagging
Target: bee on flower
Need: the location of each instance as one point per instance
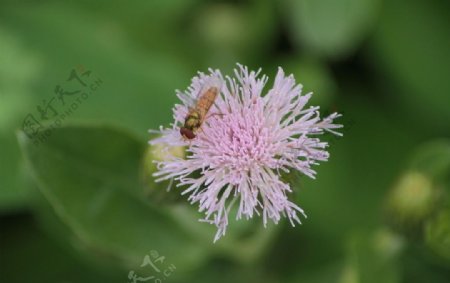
(239, 154)
(198, 113)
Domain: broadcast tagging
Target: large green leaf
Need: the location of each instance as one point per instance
(138, 87)
(329, 27)
(410, 48)
(361, 168)
(42, 42)
(437, 234)
(433, 159)
(234, 32)
(88, 174)
(374, 258)
(19, 67)
(30, 255)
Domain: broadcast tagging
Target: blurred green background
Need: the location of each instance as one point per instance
(76, 207)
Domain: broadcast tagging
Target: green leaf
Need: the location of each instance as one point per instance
(13, 193)
(89, 175)
(245, 242)
(373, 258)
(138, 87)
(410, 47)
(360, 170)
(437, 234)
(30, 255)
(328, 27)
(433, 159)
(19, 67)
(234, 32)
(42, 42)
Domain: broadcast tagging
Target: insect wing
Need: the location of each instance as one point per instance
(187, 100)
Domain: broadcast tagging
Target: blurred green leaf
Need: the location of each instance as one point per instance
(30, 255)
(245, 242)
(361, 168)
(93, 185)
(19, 68)
(87, 175)
(328, 27)
(437, 234)
(13, 193)
(234, 32)
(222, 271)
(433, 159)
(410, 49)
(326, 272)
(419, 265)
(42, 42)
(373, 258)
(138, 87)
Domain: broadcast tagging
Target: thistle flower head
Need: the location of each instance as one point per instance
(247, 139)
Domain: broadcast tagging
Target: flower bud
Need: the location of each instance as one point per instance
(410, 202)
(159, 191)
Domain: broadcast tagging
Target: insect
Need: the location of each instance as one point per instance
(197, 114)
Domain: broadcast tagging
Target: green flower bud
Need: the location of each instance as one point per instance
(161, 191)
(410, 202)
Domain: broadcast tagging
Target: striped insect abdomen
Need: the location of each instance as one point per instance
(205, 101)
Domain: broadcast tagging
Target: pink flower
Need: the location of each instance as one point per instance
(244, 144)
